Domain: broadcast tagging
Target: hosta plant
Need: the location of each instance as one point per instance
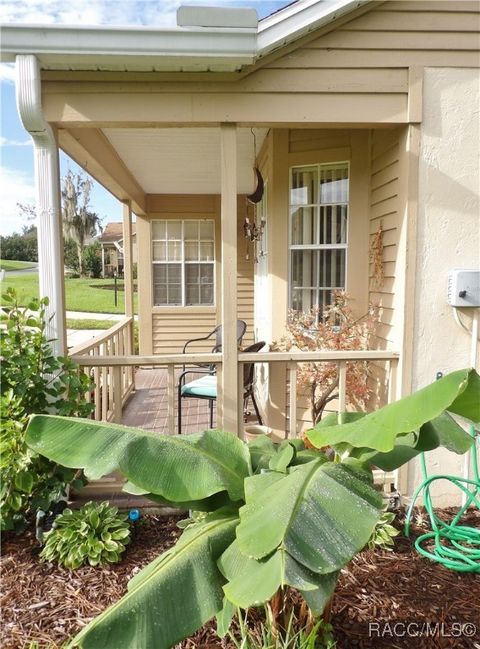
(383, 533)
(277, 515)
(95, 534)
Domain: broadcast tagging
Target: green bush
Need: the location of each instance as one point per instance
(383, 533)
(96, 534)
(34, 380)
(92, 260)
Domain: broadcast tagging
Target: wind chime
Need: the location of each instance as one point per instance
(253, 230)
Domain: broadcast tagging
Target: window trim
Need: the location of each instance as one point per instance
(320, 246)
(183, 262)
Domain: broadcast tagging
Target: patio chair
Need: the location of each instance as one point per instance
(218, 333)
(205, 387)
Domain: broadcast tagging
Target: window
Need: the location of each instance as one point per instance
(318, 233)
(183, 254)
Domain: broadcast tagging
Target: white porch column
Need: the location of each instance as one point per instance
(229, 375)
(128, 258)
(47, 185)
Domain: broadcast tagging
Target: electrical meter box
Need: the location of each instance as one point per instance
(463, 288)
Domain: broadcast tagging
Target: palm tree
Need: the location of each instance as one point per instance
(79, 223)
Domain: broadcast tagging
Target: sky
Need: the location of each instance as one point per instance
(16, 150)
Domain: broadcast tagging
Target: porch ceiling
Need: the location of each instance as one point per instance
(182, 160)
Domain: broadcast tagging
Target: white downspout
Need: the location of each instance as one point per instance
(47, 186)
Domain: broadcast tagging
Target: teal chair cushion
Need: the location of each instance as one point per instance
(205, 387)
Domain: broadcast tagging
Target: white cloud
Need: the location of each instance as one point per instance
(17, 186)
(4, 141)
(7, 72)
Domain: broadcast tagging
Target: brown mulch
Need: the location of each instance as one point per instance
(383, 599)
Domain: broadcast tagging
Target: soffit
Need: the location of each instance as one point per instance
(183, 160)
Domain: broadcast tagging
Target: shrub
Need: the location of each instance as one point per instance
(33, 381)
(383, 533)
(335, 329)
(96, 534)
(92, 260)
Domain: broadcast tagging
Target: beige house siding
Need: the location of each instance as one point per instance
(164, 330)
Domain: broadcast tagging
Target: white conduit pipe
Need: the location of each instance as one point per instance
(47, 186)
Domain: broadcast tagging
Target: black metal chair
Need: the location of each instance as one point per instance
(206, 387)
(218, 333)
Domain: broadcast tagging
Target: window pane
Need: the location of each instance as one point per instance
(304, 226)
(191, 250)
(206, 294)
(206, 230)
(159, 273)
(332, 269)
(174, 294)
(206, 251)
(174, 251)
(192, 293)
(174, 273)
(334, 184)
(174, 230)
(160, 294)
(191, 230)
(305, 268)
(191, 273)
(302, 191)
(206, 273)
(158, 229)
(159, 251)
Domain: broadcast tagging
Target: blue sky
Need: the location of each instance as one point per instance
(16, 151)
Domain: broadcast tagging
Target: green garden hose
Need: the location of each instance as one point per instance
(456, 546)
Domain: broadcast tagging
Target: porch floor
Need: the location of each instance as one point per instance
(147, 407)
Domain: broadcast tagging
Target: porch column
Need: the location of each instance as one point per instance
(47, 186)
(229, 376)
(128, 258)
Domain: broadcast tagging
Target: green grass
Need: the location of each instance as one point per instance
(89, 323)
(10, 264)
(81, 294)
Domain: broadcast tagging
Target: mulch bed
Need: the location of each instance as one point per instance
(383, 599)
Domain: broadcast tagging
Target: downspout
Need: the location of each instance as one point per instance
(47, 189)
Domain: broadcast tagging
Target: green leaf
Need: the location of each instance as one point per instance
(321, 513)
(225, 617)
(261, 450)
(282, 459)
(177, 467)
(458, 392)
(210, 504)
(24, 482)
(169, 599)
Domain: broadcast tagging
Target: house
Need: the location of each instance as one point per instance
(362, 118)
(111, 241)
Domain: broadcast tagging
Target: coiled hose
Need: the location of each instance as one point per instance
(455, 546)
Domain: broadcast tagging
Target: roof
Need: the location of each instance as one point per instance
(206, 39)
(113, 232)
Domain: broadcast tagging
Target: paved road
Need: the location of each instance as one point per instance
(21, 271)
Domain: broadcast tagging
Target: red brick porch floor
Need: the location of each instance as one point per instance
(147, 407)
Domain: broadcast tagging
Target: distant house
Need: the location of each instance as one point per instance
(111, 241)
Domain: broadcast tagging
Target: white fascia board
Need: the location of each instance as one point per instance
(236, 44)
(298, 19)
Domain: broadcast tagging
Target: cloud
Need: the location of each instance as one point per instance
(17, 186)
(6, 142)
(7, 72)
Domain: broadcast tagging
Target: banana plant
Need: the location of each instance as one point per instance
(275, 515)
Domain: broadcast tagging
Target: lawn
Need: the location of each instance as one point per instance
(89, 323)
(81, 294)
(10, 264)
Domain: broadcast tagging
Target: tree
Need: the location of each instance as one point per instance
(336, 329)
(92, 259)
(79, 222)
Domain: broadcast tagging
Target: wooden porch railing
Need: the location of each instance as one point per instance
(113, 382)
(115, 371)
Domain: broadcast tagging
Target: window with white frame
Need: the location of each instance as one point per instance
(183, 255)
(319, 197)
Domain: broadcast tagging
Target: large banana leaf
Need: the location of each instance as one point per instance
(169, 599)
(252, 582)
(210, 504)
(458, 392)
(321, 513)
(178, 467)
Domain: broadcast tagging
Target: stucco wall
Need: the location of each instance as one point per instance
(448, 234)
